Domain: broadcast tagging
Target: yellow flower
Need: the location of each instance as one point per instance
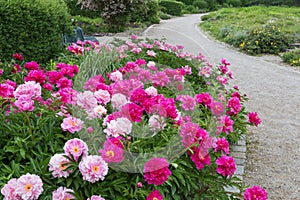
(242, 45)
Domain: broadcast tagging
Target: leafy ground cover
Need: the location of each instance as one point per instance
(255, 30)
(140, 120)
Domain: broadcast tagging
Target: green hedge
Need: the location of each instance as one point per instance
(172, 7)
(33, 28)
(147, 12)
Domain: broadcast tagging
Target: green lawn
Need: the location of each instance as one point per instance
(234, 21)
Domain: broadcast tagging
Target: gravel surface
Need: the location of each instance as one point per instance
(273, 158)
(273, 88)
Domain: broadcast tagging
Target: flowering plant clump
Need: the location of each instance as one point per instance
(141, 120)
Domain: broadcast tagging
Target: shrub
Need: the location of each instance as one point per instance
(33, 28)
(190, 9)
(268, 39)
(147, 11)
(234, 3)
(292, 57)
(172, 7)
(201, 4)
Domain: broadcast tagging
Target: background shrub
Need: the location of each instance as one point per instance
(201, 4)
(33, 28)
(292, 57)
(172, 7)
(234, 3)
(148, 11)
(75, 9)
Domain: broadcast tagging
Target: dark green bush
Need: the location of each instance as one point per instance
(190, 9)
(234, 3)
(201, 4)
(187, 2)
(33, 28)
(268, 39)
(147, 12)
(172, 7)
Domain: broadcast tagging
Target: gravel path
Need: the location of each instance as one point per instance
(273, 159)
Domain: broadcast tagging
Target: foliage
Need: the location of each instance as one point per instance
(172, 7)
(190, 9)
(292, 57)
(201, 4)
(75, 9)
(90, 25)
(148, 11)
(33, 28)
(238, 25)
(234, 3)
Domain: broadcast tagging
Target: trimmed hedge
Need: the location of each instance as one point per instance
(33, 28)
(147, 12)
(172, 7)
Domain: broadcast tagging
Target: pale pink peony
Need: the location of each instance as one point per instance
(57, 165)
(156, 171)
(93, 168)
(205, 71)
(30, 89)
(24, 103)
(71, 124)
(76, 147)
(151, 91)
(112, 152)
(136, 50)
(157, 123)
(222, 80)
(217, 108)
(99, 111)
(94, 197)
(86, 100)
(62, 193)
(187, 102)
(124, 125)
(9, 190)
(118, 100)
(155, 195)
(102, 96)
(116, 76)
(255, 193)
(226, 165)
(151, 53)
(29, 187)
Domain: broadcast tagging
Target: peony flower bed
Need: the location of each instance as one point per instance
(137, 120)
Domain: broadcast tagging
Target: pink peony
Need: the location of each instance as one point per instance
(31, 65)
(6, 90)
(1, 72)
(204, 98)
(112, 152)
(54, 76)
(187, 102)
(133, 112)
(151, 53)
(93, 168)
(139, 184)
(62, 193)
(76, 147)
(222, 80)
(217, 108)
(94, 197)
(136, 50)
(16, 68)
(24, 104)
(9, 190)
(29, 187)
(156, 171)
(221, 144)
(64, 83)
(47, 86)
(36, 75)
(226, 165)
(71, 124)
(102, 96)
(234, 106)
(99, 111)
(29, 89)
(254, 118)
(151, 91)
(191, 133)
(205, 71)
(160, 79)
(155, 195)
(18, 56)
(57, 165)
(226, 123)
(200, 157)
(255, 193)
(134, 37)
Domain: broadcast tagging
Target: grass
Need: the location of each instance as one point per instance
(235, 21)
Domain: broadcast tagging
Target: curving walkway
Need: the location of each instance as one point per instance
(274, 92)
